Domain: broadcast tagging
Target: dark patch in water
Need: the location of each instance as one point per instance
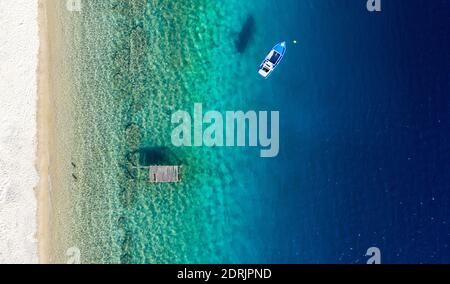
(246, 34)
(148, 156)
(126, 255)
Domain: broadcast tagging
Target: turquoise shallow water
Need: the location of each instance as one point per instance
(134, 64)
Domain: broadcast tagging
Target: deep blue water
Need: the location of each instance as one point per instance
(365, 133)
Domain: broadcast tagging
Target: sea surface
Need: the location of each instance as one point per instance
(364, 132)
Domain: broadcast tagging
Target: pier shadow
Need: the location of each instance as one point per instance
(246, 34)
(148, 156)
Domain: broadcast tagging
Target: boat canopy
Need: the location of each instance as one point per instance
(275, 57)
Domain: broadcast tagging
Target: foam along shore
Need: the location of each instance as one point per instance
(19, 47)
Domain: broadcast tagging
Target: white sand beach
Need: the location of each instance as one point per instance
(19, 48)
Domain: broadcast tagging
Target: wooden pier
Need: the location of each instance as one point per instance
(164, 174)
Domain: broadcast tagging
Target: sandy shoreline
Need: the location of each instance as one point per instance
(19, 46)
(44, 121)
(51, 115)
(26, 132)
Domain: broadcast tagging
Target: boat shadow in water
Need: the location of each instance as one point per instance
(246, 34)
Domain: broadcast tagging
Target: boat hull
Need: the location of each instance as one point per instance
(272, 60)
